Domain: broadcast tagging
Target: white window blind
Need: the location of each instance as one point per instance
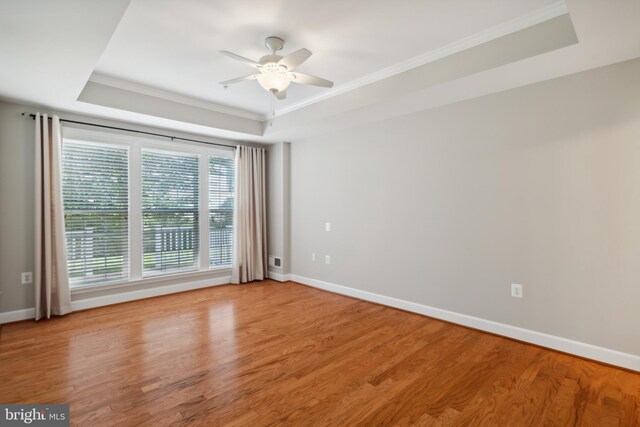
(96, 204)
(221, 188)
(170, 199)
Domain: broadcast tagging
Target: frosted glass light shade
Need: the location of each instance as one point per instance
(274, 80)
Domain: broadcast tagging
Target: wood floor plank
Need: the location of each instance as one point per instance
(285, 354)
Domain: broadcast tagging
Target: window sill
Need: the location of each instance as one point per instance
(149, 280)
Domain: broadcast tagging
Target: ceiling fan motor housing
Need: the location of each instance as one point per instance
(270, 59)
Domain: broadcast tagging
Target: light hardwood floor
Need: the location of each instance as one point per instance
(286, 354)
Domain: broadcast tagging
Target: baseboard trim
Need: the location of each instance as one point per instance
(565, 345)
(86, 303)
(279, 277)
(100, 301)
(17, 315)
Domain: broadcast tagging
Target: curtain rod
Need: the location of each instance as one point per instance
(173, 138)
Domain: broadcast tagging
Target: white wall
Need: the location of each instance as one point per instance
(538, 185)
(278, 194)
(17, 160)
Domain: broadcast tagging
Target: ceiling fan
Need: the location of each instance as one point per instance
(277, 72)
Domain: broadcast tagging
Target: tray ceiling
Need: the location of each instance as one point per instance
(157, 62)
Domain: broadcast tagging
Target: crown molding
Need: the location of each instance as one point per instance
(536, 17)
(128, 85)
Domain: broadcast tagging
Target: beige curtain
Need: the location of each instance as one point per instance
(250, 237)
(50, 275)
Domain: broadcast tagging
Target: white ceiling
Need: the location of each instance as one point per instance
(157, 62)
(174, 45)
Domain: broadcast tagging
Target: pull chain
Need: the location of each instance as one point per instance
(273, 109)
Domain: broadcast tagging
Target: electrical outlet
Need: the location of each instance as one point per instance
(327, 226)
(327, 259)
(313, 256)
(27, 278)
(516, 290)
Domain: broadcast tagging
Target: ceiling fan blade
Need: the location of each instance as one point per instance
(307, 79)
(241, 59)
(239, 79)
(294, 59)
(281, 95)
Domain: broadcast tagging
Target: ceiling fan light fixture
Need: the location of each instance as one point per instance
(277, 72)
(274, 79)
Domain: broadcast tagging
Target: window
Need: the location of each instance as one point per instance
(96, 211)
(138, 208)
(221, 189)
(170, 211)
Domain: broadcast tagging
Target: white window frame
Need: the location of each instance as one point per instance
(135, 143)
